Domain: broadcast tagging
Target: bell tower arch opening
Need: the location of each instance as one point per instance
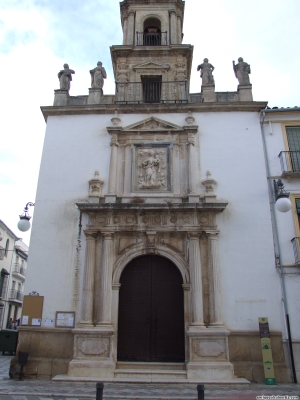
(151, 312)
(152, 32)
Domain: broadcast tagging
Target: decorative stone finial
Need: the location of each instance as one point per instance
(209, 184)
(95, 187)
(242, 71)
(206, 72)
(116, 120)
(190, 119)
(65, 76)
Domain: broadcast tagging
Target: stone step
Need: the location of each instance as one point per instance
(137, 374)
(150, 365)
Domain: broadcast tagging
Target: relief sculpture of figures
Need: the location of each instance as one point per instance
(65, 77)
(206, 72)
(151, 176)
(242, 71)
(98, 75)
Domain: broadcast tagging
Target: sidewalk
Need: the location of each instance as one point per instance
(48, 390)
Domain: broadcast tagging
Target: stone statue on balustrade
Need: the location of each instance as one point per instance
(98, 75)
(65, 77)
(242, 71)
(206, 72)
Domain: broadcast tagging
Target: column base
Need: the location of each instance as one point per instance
(60, 97)
(245, 92)
(193, 197)
(95, 96)
(208, 93)
(209, 354)
(110, 198)
(93, 353)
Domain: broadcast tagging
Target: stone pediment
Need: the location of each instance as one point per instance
(152, 66)
(153, 124)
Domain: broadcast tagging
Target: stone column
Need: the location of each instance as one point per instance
(127, 177)
(215, 288)
(125, 31)
(193, 196)
(173, 36)
(111, 196)
(89, 279)
(106, 279)
(196, 279)
(130, 32)
(176, 168)
(179, 30)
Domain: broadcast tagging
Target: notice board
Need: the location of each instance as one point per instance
(32, 310)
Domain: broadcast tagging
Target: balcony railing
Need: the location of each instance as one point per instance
(296, 247)
(152, 38)
(16, 295)
(151, 92)
(19, 269)
(290, 161)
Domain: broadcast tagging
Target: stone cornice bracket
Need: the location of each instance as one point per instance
(95, 187)
(151, 237)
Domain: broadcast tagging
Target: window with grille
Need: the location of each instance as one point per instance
(293, 138)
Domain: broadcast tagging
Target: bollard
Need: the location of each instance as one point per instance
(200, 389)
(99, 390)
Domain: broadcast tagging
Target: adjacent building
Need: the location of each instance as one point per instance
(152, 242)
(13, 263)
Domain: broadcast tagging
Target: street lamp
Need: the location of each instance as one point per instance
(283, 203)
(24, 224)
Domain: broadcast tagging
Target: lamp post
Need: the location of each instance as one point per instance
(283, 203)
(24, 224)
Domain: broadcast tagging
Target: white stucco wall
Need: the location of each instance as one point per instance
(229, 146)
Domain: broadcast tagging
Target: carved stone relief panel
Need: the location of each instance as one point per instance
(151, 167)
(93, 347)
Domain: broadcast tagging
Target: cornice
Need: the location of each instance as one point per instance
(251, 106)
(94, 207)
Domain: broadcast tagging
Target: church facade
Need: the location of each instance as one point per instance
(152, 226)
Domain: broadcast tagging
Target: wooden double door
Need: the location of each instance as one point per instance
(151, 312)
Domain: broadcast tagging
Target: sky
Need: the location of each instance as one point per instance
(38, 36)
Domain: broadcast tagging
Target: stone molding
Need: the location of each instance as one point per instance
(248, 106)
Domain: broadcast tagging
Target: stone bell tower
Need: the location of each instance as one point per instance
(152, 65)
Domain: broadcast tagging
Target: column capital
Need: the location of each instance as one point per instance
(194, 235)
(90, 235)
(172, 12)
(108, 235)
(213, 235)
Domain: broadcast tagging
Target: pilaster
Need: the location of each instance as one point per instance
(106, 284)
(215, 287)
(89, 279)
(173, 24)
(112, 195)
(196, 280)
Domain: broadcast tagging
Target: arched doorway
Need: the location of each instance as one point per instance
(151, 312)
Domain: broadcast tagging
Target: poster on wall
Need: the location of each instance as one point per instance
(65, 319)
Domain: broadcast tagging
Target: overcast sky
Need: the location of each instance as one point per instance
(38, 36)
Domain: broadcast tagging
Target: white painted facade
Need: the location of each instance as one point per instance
(206, 208)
